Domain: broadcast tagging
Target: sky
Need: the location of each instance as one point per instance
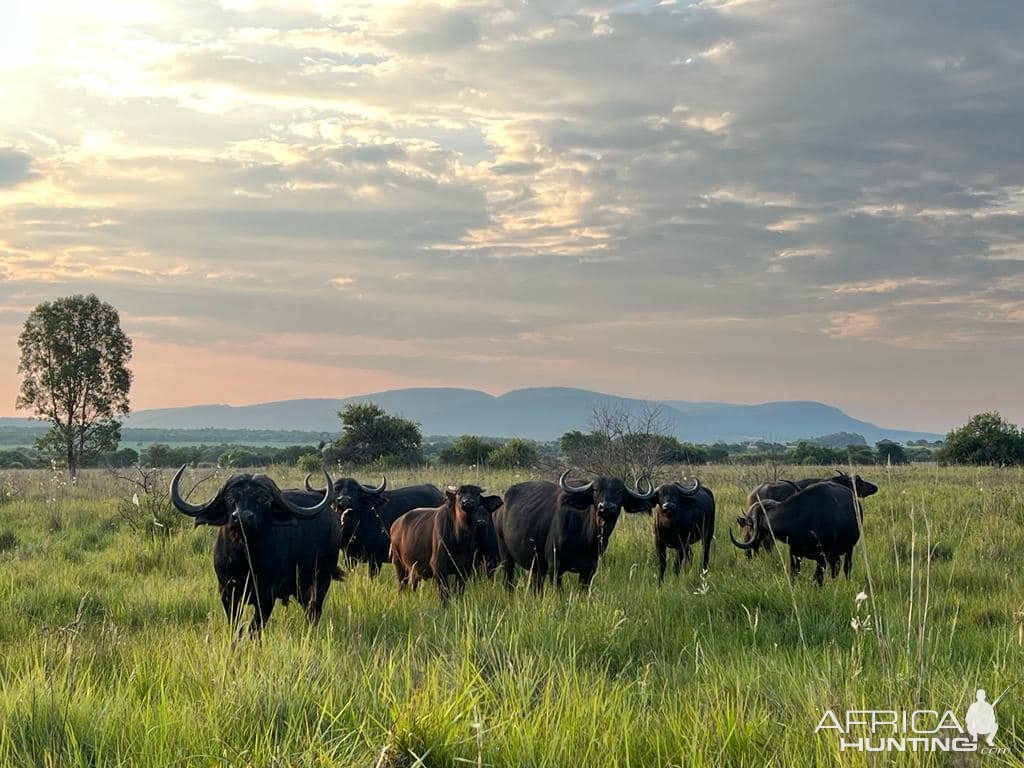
(728, 200)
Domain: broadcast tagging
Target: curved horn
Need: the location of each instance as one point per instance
(309, 486)
(379, 489)
(690, 488)
(644, 495)
(573, 488)
(308, 512)
(741, 544)
(180, 504)
(755, 535)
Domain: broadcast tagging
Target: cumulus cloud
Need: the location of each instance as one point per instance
(757, 185)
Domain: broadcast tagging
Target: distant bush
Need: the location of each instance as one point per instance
(310, 462)
(22, 459)
(889, 452)
(515, 454)
(839, 440)
(467, 450)
(986, 439)
(8, 541)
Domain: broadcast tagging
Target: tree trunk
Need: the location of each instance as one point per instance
(72, 458)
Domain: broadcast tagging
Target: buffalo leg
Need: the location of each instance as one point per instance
(705, 555)
(264, 606)
(460, 583)
(794, 566)
(373, 567)
(682, 555)
(509, 568)
(232, 597)
(402, 574)
(537, 575)
(848, 562)
(819, 571)
(660, 546)
(587, 578)
(443, 591)
(323, 586)
(833, 565)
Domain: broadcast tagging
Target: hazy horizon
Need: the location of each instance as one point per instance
(504, 392)
(728, 200)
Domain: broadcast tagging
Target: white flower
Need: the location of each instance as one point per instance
(860, 598)
(135, 499)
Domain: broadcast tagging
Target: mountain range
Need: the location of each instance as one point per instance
(542, 413)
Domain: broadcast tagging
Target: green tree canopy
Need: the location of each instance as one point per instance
(889, 452)
(805, 452)
(371, 435)
(515, 454)
(467, 450)
(74, 363)
(986, 439)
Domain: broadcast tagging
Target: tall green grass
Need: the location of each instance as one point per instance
(114, 650)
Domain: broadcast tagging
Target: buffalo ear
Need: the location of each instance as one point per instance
(281, 513)
(581, 499)
(492, 503)
(216, 514)
(635, 505)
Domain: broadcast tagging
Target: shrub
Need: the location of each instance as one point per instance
(310, 462)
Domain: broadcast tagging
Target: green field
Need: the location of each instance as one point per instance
(114, 650)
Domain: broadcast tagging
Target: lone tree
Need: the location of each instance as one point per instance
(74, 359)
(370, 435)
(891, 453)
(625, 442)
(986, 439)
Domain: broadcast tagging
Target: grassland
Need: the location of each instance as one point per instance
(114, 650)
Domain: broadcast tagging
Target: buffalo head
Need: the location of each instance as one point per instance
(249, 502)
(606, 495)
(673, 500)
(470, 507)
(354, 502)
(754, 525)
(857, 484)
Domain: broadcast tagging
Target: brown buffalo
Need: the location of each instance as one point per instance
(442, 542)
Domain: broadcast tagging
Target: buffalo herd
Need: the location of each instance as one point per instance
(274, 544)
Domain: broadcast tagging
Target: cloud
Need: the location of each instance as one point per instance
(767, 184)
(15, 167)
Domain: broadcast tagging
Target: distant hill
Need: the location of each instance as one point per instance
(542, 413)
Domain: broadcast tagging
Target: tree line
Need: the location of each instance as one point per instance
(75, 376)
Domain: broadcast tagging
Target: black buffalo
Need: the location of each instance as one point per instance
(553, 528)
(819, 523)
(684, 515)
(268, 547)
(780, 490)
(367, 514)
(442, 542)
